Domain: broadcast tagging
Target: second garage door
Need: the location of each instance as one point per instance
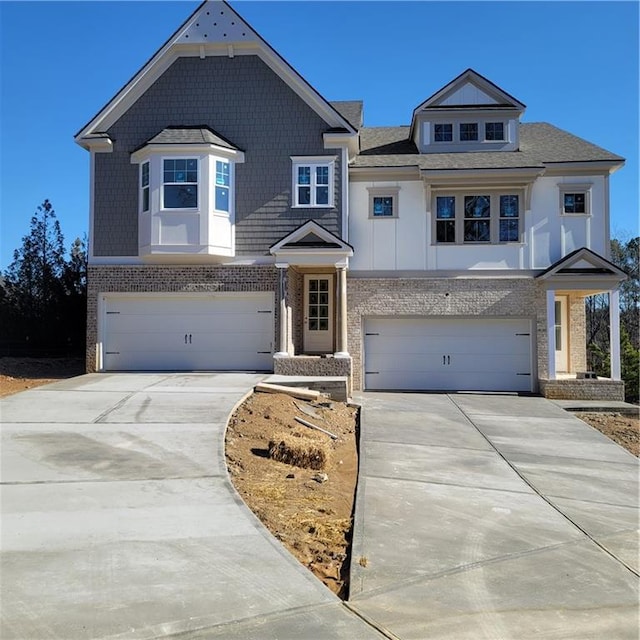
(446, 354)
(226, 331)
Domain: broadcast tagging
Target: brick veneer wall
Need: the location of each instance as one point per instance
(582, 389)
(578, 334)
(440, 297)
(165, 279)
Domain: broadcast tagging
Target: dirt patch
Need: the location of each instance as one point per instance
(621, 428)
(20, 374)
(308, 506)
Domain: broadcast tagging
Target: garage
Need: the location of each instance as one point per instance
(193, 332)
(447, 354)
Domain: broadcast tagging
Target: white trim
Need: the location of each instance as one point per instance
(344, 168)
(551, 334)
(313, 162)
(614, 334)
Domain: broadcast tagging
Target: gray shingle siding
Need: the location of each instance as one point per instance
(244, 101)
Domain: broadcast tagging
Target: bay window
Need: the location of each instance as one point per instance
(180, 183)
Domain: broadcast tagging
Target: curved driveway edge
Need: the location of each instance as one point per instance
(492, 516)
(119, 521)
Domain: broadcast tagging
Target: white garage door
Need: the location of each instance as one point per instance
(447, 354)
(226, 331)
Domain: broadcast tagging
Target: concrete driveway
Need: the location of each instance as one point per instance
(118, 520)
(492, 517)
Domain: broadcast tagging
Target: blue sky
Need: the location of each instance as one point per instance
(574, 64)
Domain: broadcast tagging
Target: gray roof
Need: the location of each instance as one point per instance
(350, 110)
(540, 144)
(191, 135)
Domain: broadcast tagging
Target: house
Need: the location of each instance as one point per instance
(240, 221)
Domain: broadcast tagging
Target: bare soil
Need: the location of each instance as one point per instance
(621, 428)
(309, 510)
(20, 374)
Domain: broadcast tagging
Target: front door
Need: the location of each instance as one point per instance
(562, 335)
(318, 313)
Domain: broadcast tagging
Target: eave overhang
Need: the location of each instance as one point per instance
(584, 167)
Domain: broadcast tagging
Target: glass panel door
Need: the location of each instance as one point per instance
(318, 318)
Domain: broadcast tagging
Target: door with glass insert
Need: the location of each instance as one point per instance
(562, 335)
(318, 313)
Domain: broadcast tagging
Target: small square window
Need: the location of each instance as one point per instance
(575, 203)
(383, 202)
(382, 206)
(443, 133)
(468, 131)
(494, 131)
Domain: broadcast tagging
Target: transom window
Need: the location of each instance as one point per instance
(312, 183)
(180, 183)
(222, 186)
(443, 133)
(144, 186)
(468, 131)
(482, 218)
(494, 131)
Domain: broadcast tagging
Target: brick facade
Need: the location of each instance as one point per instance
(582, 389)
(165, 279)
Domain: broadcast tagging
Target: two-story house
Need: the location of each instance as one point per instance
(240, 221)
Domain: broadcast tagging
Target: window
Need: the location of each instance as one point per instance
(468, 131)
(494, 131)
(509, 218)
(443, 133)
(477, 219)
(445, 219)
(575, 203)
(383, 202)
(312, 182)
(180, 183)
(144, 186)
(222, 186)
(575, 199)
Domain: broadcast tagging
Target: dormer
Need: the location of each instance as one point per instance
(468, 114)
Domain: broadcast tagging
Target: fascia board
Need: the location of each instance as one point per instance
(173, 149)
(584, 167)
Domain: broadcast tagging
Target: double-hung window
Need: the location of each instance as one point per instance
(509, 218)
(477, 219)
(445, 219)
(180, 183)
(223, 182)
(312, 182)
(144, 187)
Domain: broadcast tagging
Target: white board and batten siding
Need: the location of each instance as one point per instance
(187, 332)
(444, 354)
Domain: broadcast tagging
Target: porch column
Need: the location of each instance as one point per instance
(551, 334)
(342, 348)
(614, 334)
(282, 296)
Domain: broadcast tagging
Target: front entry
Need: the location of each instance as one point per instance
(318, 313)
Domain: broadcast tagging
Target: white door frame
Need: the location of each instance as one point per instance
(562, 333)
(318, 323)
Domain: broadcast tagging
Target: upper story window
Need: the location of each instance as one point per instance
(223, 181)
(180, 183)
(494, 131)
(575, 199)
(443, 132)
(383, 202)
(468, 131)
(313, 182)
(482, 218)
(144, 186)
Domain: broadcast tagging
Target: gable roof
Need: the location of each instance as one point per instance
(311, 235)
(541, 144)
(214, 28)
(351, 110)
(583, 262)
(455, 94)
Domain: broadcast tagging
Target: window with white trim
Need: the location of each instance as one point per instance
(575, 199)
(478, 218)
(222, 185)
(180, 183)
(383, 202)
(144, 187)
(312, 182)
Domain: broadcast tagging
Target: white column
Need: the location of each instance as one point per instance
(551, 334)
(614, 334)
(282, 296)
(342, 349)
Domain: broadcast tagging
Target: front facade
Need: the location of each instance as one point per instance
(239, 221)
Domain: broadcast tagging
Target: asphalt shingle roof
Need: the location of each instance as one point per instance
(540, 144)
(191, 135)
(350, 110)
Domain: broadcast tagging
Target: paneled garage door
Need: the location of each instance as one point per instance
(447, 354)
(226, 331)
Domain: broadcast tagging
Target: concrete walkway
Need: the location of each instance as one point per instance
(492, 517)
(118, 520)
